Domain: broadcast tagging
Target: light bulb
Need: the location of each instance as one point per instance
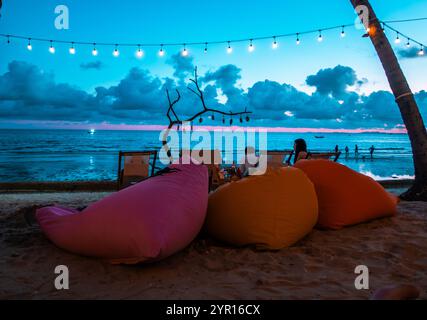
(251, 47)
(397, 41)
(94, 51)
(161, 51)
(139, 53)
(320, 37)
(206, 48)
(421, 52)
(29, 46)
(116, 52)
(51, 48)
(184, 52)
(275, 45)
(229, 48)
(342, 32)
(408, 44)
(72, 49)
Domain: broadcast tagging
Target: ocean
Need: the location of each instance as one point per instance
(77, 155)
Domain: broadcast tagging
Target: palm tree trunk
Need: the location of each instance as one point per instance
(405, 100)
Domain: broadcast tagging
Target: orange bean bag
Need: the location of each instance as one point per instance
(271, 211)
(345, 196)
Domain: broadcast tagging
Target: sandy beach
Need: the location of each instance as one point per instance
(321, 266)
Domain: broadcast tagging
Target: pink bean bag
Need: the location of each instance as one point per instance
(148, 221)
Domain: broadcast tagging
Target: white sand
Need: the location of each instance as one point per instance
(319, 267)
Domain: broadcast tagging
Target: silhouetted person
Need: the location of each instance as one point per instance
(371, 151)
(356, 150)
(337, 149)
(347, 150)
(300, 149)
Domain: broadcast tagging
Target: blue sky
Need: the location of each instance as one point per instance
(131, 91)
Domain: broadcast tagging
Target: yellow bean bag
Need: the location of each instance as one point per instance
(271, 211)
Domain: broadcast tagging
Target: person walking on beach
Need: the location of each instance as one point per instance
(371, 151)
(337, 149)
(356, 150)
(300, 150)
(347, 150)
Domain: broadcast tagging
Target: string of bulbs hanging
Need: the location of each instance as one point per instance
(139, 53)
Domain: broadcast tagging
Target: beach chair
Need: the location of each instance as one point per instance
(275, 157)
(135, 168)
(324, 155)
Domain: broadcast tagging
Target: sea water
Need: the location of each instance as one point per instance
(78, 155)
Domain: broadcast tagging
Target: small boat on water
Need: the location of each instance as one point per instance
(91, 131)
(319, 137)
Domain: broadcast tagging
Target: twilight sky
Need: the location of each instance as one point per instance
(336, 84)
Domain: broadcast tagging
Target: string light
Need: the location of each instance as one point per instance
(251, 47)
(94, 50)
(320, 37)
(72, 49)
(29, 46)
(116, 52)
(229, 48)
(51, 48)
(139, 52)
(421, 52)
(184, 52)
(161, 51)
(397, 41)
(275, 45)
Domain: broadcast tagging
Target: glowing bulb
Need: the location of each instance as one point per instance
(161, 51)
(342, 32)
(421, 52)
(94, 51)
(320, 37)
(408, 44)
(251, 47)
(116, 52)
(29, 46)
(206, 48)
(229, 48)
(298, 40)
(184, 52)
(139, 52)
(72, 49)
(397, 41)
(51, 48)
(275, 45)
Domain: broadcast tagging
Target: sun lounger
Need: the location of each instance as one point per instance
(136, 167)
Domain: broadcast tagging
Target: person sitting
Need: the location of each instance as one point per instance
(300, 150)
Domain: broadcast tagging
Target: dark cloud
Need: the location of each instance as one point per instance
(409, 53)
(97, 65)
(183, 66)
(334, 81)
(26, 92)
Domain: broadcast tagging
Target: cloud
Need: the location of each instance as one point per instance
(183, 66)
(29, 93)
(97, 65)
(410, 53)
(334, 81)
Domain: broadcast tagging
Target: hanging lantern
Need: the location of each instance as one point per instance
(223, 119)
(200, 120)
(231, 121)
(177, 128)
(247, 118)
(213, 116)
(241, 120)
